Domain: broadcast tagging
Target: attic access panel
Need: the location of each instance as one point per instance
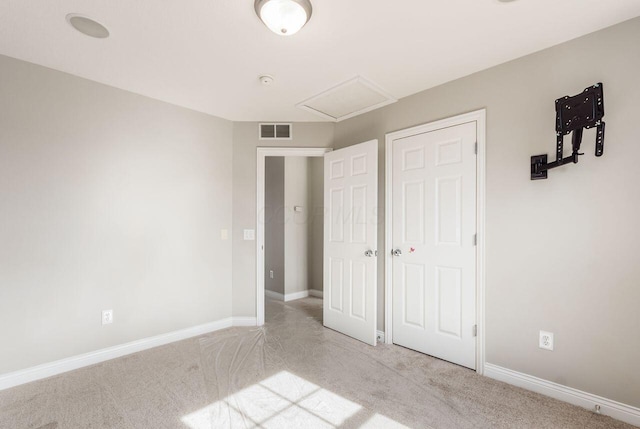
(348, 99)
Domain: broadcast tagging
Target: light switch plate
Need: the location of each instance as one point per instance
(224, 234)
(250, 234)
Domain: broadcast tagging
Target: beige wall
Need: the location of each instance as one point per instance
(245, 142)
(316, 222)
(109, 200)
(562, 254)
(274, 224)
(296, 226)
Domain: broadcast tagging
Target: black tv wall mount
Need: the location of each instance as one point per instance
(574, 115)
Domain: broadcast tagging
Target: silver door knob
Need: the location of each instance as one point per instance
(369, 253)
(397, 252)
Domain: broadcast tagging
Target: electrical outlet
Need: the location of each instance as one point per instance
(224, 234)
(546, 340)
(270, 274)
(107, 317)
(249, 234)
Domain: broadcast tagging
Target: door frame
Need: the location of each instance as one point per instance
(479, 116)
(261, 154)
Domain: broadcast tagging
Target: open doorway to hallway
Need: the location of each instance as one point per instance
(293, 222)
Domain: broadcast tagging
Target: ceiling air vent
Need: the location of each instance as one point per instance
(349, 99)
(275, 131)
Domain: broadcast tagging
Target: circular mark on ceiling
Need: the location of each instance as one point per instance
(87, 26)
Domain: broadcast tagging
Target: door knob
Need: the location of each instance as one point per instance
(397, 252)
(368, 253)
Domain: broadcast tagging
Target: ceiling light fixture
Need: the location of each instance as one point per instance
(87, 26)
(284, 17)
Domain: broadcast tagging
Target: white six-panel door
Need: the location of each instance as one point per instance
(350, 237)
(434, 224)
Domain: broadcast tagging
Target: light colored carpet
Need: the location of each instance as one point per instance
(293, 373)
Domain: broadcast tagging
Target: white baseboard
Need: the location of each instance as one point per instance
(380, 337)
(316, 293)
(274, 295)
(297, 295)
(245, 321)
(288, 297)
(46, 370)
(617, 410)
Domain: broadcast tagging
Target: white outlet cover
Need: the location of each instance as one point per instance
(249, 234)
(224, 234)
(546, 340)
(107, 317)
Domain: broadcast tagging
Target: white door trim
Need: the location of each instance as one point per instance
(261, 154)
(478, 116)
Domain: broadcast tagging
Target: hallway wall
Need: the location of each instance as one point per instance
(316, 214)
(274, 218)
(293, 239)
(297, 224)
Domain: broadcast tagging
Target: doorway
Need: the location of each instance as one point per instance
(261, 272)
(434, 284)
(349, 236)
(293, 220)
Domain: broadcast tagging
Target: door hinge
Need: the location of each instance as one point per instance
(475, 239)
(475, 149)
(475, 330)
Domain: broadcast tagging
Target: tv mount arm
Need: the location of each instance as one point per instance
(574, 115)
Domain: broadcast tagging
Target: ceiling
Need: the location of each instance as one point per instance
(207, 55)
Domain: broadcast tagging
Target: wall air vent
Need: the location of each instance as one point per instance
(349, 99)
(275, 131)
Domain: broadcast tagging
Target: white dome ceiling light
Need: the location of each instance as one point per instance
(87, 26)
(284, 17)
